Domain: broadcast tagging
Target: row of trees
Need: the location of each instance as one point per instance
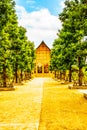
(69, 49)
(16, 51)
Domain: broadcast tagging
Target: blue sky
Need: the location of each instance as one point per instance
(40, 18)
(54, 6)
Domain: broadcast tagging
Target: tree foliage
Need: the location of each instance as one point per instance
(16, 52)
(69, 46)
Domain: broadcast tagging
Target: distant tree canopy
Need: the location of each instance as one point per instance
(69, 49)
(16, 51)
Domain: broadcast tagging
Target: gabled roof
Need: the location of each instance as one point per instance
(43, 43)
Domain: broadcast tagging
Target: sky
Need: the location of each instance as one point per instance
(40, 18)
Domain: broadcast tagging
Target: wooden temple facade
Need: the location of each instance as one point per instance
(42, 61)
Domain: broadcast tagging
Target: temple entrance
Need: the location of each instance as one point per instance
(42, 61)
(46, 68)
(39, 68)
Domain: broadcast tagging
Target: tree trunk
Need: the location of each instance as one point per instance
(64, 75)
(80, 71)
(70, 74)
(4, 76)
(55, 74)
(16, 69)
(60, 75)
(29, 75)
(21, 76)
(80, 76)
(25, 75)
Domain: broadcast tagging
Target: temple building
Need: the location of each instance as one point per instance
(42, 61)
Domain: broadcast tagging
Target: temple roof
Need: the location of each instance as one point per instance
(43, 43)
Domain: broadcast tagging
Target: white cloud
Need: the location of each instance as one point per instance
(40, 25)
(30, 1)
(62, 4)
(16, 1)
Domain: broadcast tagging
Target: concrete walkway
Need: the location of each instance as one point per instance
(20, 109)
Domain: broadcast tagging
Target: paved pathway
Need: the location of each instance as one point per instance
(62, 108)
(43, 104)
(20, 109)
